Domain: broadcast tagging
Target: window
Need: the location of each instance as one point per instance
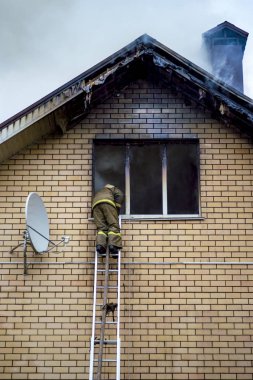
(159, 177)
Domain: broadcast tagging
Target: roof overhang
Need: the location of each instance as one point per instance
(144, 58)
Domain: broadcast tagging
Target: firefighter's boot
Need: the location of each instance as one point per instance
(101, 251)
(114, 251)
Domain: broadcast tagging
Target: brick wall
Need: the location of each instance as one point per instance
(179, 321)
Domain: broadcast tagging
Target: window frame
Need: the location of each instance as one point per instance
(164, 216)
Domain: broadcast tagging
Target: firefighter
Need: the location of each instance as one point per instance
(105, 208)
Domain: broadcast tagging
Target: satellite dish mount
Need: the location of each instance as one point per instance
(37, 229)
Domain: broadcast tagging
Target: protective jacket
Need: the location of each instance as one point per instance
(105, 207)
(109, 194)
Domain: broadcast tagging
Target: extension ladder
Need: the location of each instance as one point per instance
(105, 339)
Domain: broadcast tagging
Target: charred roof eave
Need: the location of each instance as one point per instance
(74, 99)
(88, 75)
(228, 105)
(143, 44)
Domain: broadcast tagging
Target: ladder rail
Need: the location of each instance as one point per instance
(93, 319)
(101, 341)
(102, 331)
(118, 319)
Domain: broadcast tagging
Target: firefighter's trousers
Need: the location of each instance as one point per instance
(107, 222)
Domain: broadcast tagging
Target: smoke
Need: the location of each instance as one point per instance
(45, 43)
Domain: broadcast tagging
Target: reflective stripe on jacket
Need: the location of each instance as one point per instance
(109, 194)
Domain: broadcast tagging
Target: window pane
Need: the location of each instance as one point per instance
(183, 177)
(109, 167)
(146, 179)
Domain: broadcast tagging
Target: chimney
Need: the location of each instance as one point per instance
(225, 47)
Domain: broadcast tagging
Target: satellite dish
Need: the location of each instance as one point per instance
(37, 229)
(37, 223)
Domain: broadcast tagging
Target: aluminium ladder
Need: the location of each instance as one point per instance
(105, 339)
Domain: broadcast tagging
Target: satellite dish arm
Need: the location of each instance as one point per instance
(64, 239)
(50, 241)
(24, 244)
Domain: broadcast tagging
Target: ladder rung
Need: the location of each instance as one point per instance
(106, 360)
(110, 270)
(99, 305)
(108, 322)
(111, 263)
(110, 341)
(109, 287)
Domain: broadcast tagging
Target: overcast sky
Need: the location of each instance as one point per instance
(45, 43)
